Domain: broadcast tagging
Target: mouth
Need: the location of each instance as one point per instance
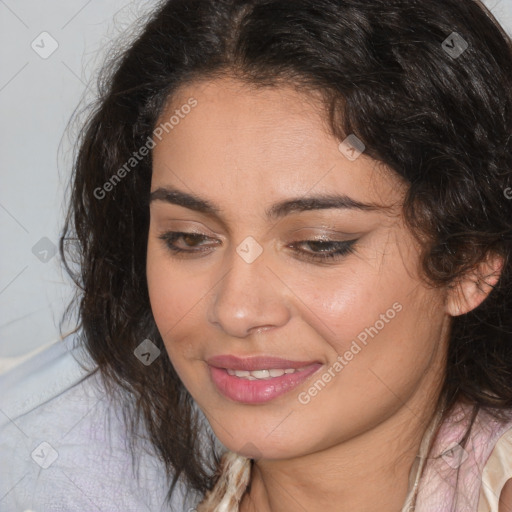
(258, 379)
(256, 363)
(262, 374)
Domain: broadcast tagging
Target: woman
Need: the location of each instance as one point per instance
(292, 218)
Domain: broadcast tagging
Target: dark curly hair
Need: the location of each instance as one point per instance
(441, 120)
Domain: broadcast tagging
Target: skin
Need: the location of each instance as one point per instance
(505, 504)
(243, 150)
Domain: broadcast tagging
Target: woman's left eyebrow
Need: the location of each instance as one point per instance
(276, 211)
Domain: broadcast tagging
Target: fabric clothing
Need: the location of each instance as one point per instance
(447, 476)
(64, 448)
(63, 445)
(470, 477)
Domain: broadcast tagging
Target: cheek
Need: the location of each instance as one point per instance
(171, 294)
(342, 307)
(344, 301)
(376, 317)
(162, 288)
(382, 342)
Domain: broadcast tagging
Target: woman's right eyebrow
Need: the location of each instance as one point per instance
(278, 210)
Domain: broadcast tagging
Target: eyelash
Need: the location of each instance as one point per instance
(344, 247)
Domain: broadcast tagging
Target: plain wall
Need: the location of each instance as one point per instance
(39, 92)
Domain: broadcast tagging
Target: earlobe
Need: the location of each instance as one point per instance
(472, 289)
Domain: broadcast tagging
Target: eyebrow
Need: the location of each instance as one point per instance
(276, 211)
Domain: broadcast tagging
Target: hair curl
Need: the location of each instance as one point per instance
(442, 123)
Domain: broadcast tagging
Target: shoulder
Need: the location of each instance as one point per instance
(63, 442)
(496, 488)
(469, 462)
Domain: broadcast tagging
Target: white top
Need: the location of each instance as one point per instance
(63, 447)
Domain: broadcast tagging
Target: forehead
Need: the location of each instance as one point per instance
(249, 118)
(269, 141)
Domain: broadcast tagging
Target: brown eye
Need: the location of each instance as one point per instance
(318, 250)
(190, 240)
(324, 250)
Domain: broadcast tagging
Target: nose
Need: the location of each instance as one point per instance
(249, 298)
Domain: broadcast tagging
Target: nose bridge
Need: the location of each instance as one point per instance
(247, 297)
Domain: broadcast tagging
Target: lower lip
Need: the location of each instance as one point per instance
(258, 391)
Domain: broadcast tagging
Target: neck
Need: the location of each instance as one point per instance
(368, 473)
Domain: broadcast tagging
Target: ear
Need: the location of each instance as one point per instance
(473, 288)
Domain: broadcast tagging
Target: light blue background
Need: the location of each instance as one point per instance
(37, 98)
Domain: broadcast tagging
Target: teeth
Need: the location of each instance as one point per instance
(260, 374)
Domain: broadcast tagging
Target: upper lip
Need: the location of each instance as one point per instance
(256, 363)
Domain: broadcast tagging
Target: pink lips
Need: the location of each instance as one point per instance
(257, 391)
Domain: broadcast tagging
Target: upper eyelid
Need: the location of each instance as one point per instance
(302, 238)
(180, 234)
(336, 245)
(347, 246)
(199, 228)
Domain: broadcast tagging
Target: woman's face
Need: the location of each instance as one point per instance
(266, 196)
